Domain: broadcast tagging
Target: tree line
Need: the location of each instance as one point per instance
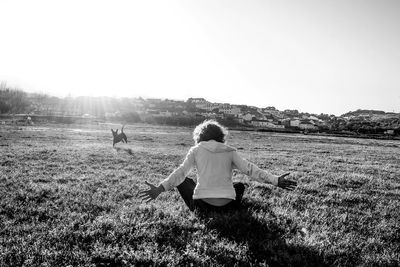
(13, 100)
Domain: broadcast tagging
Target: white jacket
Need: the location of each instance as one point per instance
(214, 162)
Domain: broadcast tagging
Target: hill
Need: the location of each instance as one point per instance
(360, 112)
(361, 123)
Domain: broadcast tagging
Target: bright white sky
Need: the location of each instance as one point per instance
(329, 56)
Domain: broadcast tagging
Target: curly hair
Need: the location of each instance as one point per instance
(209, 130)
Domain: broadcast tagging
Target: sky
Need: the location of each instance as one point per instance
(323, 56)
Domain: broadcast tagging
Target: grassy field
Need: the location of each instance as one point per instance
(68, 198)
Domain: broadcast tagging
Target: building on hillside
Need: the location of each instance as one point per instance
(304, 117)
(247, 117)
(389, 132)
(207, 106)
(275, 113)
(267, 117)
(197, 101)
(266, 124)
(291, 112)
(210, 115)
(231, 110)
(294, 123)
(201, 103)
(307, 126)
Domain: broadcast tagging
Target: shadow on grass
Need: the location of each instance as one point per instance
(263, 236)
(124, 149)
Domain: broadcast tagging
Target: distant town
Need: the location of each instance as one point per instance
(17, 106)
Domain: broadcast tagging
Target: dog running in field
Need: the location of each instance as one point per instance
(119, 137)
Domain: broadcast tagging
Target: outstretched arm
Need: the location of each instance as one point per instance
(152, 193)
(260, 175)
(174, 179)
(285, 183)
(179, 174)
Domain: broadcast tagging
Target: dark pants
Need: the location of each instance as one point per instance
(186, 189)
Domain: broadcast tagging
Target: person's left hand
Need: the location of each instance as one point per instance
(285, 183)
(152, 193)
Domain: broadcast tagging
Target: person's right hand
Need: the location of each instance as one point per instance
(285, 183)
(152, 193)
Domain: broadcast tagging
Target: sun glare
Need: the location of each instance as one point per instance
(254, 53)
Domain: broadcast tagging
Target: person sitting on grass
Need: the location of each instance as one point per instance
(214, 161)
